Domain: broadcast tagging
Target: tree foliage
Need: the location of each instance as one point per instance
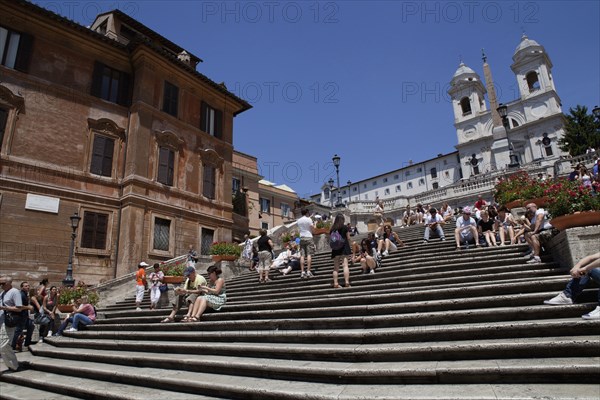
(582, 130)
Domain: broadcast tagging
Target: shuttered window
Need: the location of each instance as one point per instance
(102, 156)
(166, 163)
(211, 120)
(95, 228)
(111, 84)
(15, 49)
(170, 99)
(209, 182)
(3, 119)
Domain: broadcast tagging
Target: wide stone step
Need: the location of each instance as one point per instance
(491, 330)
(369, 309)
(381, 282)
(28, 390)
(535, 347)
(228, 386)
(368, 321)
(507, 370)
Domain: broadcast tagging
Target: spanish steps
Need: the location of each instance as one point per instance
(431, 323)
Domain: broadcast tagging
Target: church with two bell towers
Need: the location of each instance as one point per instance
(492, 138)
(528, 130)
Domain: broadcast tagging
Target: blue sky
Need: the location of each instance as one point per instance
(364, 79)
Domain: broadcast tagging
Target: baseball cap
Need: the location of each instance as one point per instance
(467, 210)
(143, 264)
(188, 270)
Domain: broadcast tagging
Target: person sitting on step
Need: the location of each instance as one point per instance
(389, 240)
(587, 268)
(446, 212)
(485, 227)
(466, 229)
(505, 225)
(409, 217)
(539, 231)
(364, 256)
(213, 294)
(434, 222)
(85, 314)
(293, 263)
(187, 294)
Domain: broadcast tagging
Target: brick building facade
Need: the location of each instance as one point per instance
(112, 122)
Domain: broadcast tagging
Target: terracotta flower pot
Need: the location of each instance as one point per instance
(585, 218)
(173, 279)
(540, 201)
(514, 203)
(65, 308)
(320, 231)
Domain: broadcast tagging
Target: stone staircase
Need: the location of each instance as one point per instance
(432, 323)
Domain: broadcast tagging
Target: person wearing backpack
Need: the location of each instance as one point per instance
(339, 241)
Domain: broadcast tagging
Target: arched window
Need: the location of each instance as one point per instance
(465, 105)
(532, 81)
(547, 144)
(514, 122)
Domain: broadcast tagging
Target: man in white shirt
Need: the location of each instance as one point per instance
(538, 224)
(10, 302)
(466, 229)
(307, 243)
(433, 221)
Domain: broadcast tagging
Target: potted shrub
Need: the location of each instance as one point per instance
(225, 251)
(67, 296)
(571, 204)
(173, 271)
(322, 227)
(509, 191)
(289, 237)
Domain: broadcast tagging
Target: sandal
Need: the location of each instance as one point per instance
(192, 319)
(166, 320)
(346, 285)
(336, 286)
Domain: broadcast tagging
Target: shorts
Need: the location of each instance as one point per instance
(264, 260)
(307, 247)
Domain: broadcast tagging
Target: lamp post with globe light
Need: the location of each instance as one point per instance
(69, 281)
(336, 164)
(503, 112)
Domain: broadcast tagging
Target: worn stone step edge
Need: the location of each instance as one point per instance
(547, 347)
(474, 331)
(366, 308)
(59, 387)
(579, 370)
(28, 389)
(370, 322)
(370, 291)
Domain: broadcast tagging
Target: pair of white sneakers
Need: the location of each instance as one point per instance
(562, 299)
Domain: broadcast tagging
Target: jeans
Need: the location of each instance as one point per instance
(75, 320)
(27, 326)
(576, 285)
(438, 230)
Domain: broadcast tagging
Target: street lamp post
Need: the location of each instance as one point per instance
(331, 191)
(336, 163)
(596, 112)
(349, 183)
(68, 281)
(503, 112)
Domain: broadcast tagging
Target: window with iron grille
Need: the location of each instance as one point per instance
(162, 232)
(95, 228)
(102, 156)
(206, 241)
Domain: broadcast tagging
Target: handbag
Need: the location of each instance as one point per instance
(11, 319)
(42, 319)
(163, 288)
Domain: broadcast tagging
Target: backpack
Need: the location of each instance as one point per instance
(336, 241)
